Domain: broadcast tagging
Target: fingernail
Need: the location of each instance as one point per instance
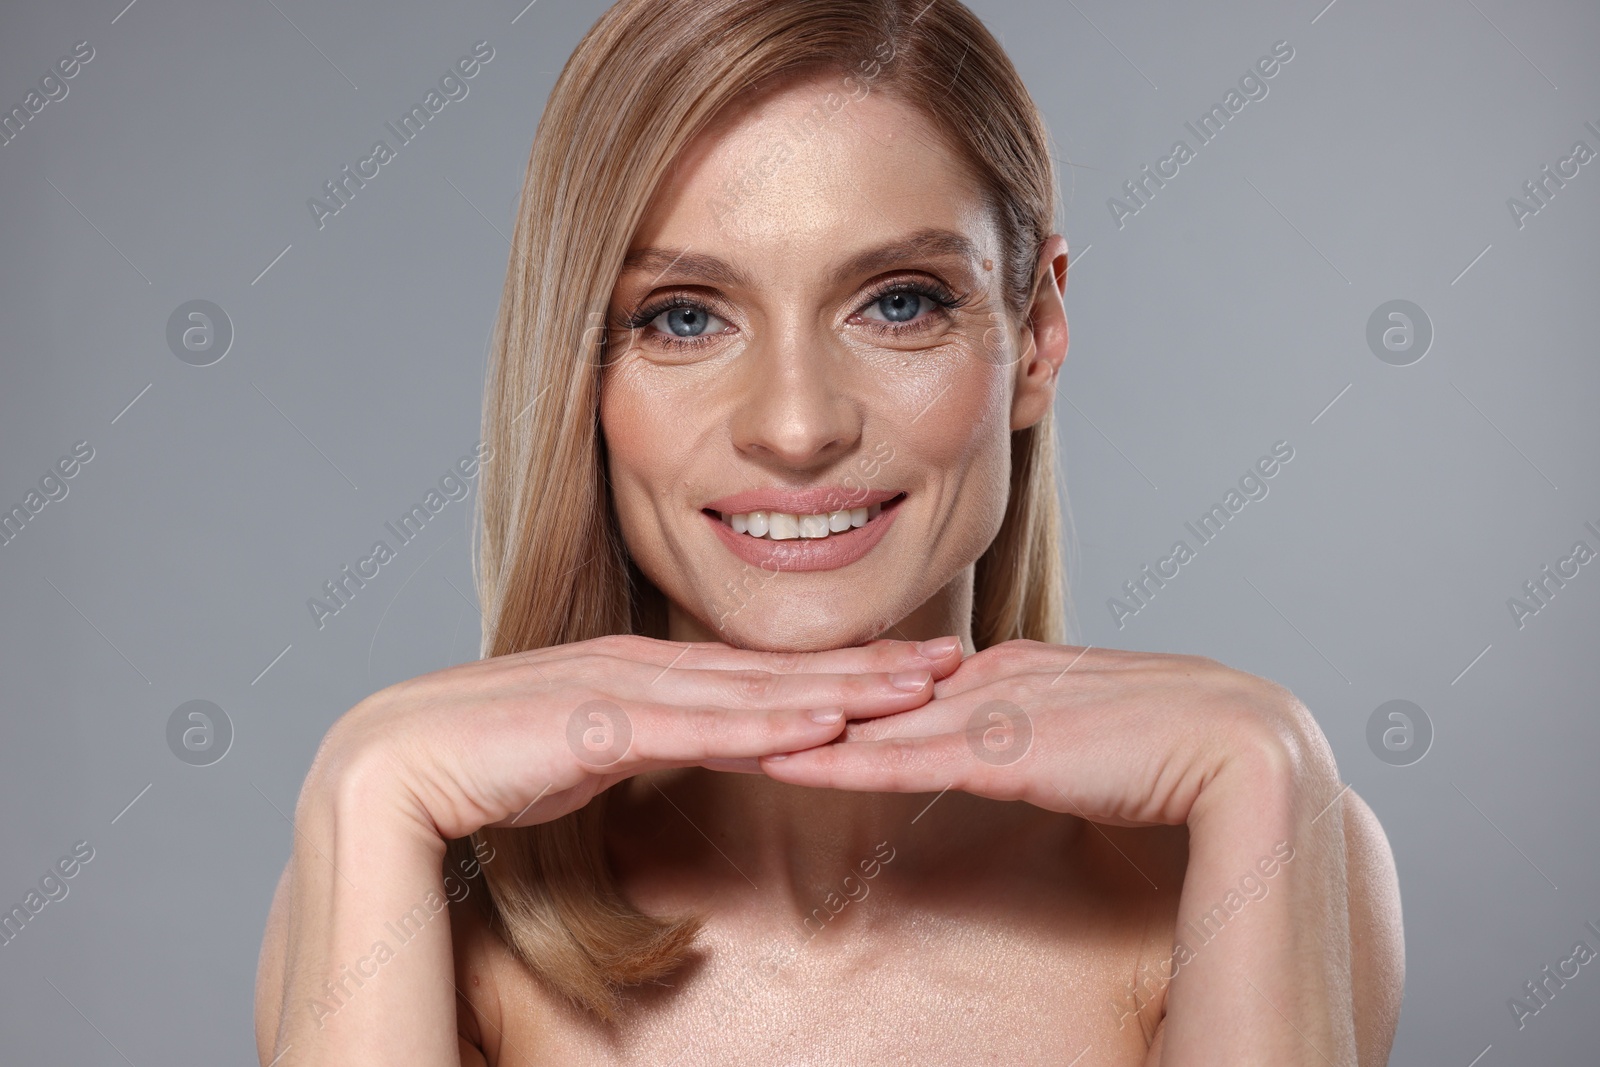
(911, 681)
(827, 715)
(941, 647)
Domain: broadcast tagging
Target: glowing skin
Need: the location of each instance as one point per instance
(799, 380)
(798, 375)
(841, 925)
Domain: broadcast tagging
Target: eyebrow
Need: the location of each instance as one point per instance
(931, 241)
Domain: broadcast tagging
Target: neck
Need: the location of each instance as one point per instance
(799, 844)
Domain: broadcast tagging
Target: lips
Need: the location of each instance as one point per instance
(838, 548)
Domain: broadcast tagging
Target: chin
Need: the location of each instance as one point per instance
(813, 632)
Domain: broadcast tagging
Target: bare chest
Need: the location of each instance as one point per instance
(943, 993)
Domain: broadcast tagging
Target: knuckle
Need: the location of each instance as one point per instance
(754, 685)
(703, 722)
(785, 662)
(1011, 654)
(776, 725)
(901, 754)
(593, 663)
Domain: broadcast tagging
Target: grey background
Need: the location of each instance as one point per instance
(1226, 315)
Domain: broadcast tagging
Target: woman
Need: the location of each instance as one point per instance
(775, 755)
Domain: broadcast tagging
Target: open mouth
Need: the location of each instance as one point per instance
(784, 526)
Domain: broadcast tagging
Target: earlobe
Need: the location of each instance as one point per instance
(1045, 338)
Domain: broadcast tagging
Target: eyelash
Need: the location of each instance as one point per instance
(943, 298)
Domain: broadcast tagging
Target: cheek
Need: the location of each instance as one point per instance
(653, 441)
(966, 432)
(632, 427)
(964, 441)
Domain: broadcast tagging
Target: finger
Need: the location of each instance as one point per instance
(894, 765)
(756, 690)
(607, 737)
(1057, 667)
(939, 656)
(934, 717)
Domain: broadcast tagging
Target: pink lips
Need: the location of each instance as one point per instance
(803, 554)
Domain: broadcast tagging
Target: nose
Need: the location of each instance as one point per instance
(797, 408)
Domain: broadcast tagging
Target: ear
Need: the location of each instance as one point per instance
(1043, 339)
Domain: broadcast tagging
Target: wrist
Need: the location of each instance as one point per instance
(360, 790)
(1269, 785)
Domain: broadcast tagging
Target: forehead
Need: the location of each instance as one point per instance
(797, 178)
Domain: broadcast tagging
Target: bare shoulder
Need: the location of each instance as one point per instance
(1377, 936)
(269, 970)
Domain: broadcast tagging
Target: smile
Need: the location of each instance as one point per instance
(813, 536)
(782, 526)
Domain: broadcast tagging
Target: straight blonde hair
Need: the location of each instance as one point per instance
(551, 564)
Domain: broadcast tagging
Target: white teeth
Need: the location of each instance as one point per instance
(813, 526)
(784, 526)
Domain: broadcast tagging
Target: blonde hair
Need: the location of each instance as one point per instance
(552, 567)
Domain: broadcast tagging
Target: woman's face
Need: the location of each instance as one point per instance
(808, 412)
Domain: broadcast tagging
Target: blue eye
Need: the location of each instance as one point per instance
(901, 306)
(684, 321)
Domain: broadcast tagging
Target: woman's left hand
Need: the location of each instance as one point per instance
(1142, 739)
(1120, 737)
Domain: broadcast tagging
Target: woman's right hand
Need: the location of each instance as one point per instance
(509, 741)
(528, 737)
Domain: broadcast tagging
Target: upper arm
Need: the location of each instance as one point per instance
(269, 970)
(269, 983)
(1377, 937)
